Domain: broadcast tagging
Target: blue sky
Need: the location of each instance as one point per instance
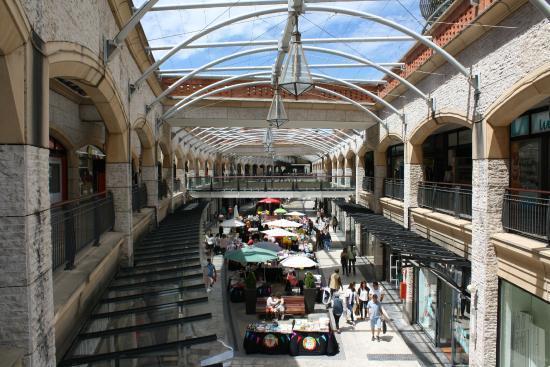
(172, 27)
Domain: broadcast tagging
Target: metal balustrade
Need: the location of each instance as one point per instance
(449, 198)
(269, 183)
(368, 184)
(393, 188)
(77, 224)
(527, 212)
(139, 197)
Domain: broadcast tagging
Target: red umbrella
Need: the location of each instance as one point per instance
(270, 201)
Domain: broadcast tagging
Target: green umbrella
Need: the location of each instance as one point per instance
(250, 254)
(279, 211)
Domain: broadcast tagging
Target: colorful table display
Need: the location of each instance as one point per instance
(294, 337)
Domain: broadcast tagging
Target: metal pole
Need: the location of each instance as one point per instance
(223, 4)
(266, 67)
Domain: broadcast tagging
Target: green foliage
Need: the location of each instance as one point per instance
(250, 280)
(309, 280)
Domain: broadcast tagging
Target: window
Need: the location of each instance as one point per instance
(524, 328)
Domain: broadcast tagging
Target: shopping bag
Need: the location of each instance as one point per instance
(384, 327)
(356, 310)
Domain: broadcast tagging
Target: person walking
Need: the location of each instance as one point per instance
(351, 300)
(344, 261)
(335, 282)
(376, 289)
(334, 223)
(363, 295)
(351, 260)
(211, 273)
(327, 240)
(337, 310)
(375, 313)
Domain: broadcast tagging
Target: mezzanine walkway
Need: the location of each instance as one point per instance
(303, 187)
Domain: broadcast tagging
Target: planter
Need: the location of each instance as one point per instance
(250, 296)
(310, 295)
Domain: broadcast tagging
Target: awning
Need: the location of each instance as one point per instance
(409, 245)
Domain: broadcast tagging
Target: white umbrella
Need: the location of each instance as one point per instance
(236, 212)
(278, 232)
(283, 223)
(232, 223)
(295, 214)
(299, 262)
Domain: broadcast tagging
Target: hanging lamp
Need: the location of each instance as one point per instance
(277, 115)
(268, 140)
(296, 78)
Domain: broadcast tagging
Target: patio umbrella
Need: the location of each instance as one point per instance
(299, 262)
(269, 201)
(279, 211)
(268, 246)
(250, 254)
(232, 223)
(278, 232)
(295, 214)
(283, 223)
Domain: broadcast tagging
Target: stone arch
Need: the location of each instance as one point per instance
(427, 127)
(522, 96)
(63, 139)
(79, 64)
(388, 140)
(147, 140)
(180, 158)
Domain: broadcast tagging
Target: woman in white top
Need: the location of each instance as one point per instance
(351, 299)
(363, 294)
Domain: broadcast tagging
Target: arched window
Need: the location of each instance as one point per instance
(91, 170)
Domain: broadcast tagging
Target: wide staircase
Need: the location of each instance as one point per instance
(157, 312)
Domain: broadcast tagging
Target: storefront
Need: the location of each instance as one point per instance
(91, 170)
(530, 150)
(524, 328)
(443, 309)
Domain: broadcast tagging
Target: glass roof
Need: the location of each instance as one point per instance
(171, 22)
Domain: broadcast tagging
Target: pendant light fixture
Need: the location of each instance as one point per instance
(277, 115)
(296, 78)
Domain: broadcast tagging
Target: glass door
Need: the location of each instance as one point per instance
(56, 179)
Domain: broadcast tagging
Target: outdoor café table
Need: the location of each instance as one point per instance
(305, 339)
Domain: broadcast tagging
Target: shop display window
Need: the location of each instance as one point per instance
(427, 302)
(524, 327)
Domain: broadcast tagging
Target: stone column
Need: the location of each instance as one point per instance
(334, 171)
(119, 183)
(413, 175)
(180, 175)
(149, 177)
(490, 177)
(348, 171)
(26, 288)
(73, 176)
(379, 175)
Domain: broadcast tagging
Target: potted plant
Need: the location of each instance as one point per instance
(310, 292)
(250, 293)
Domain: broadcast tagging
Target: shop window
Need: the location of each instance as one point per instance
(57, 171)
(369, 164)
(395, 161)
(524, 328)
(530, 151)
(91, 170)
(427, 302)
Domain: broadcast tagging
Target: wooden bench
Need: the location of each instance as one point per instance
(294, 305)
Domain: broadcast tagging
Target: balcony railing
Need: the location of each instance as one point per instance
(393, 188)
(139, 197)
(527, 212)
(449, 198)
(162, 189)
(77, 224)
(368, 184)
(269, 183)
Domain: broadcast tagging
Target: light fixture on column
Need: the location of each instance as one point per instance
(296, 78)
(277, 115)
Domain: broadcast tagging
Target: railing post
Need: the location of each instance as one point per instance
(211, 183)
(238, 184)
(97, 220)
(433, 197)
(265, 184)
(548, 223)
(70, 238)
(456, 198)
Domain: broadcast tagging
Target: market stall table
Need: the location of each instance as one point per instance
(294, 337)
